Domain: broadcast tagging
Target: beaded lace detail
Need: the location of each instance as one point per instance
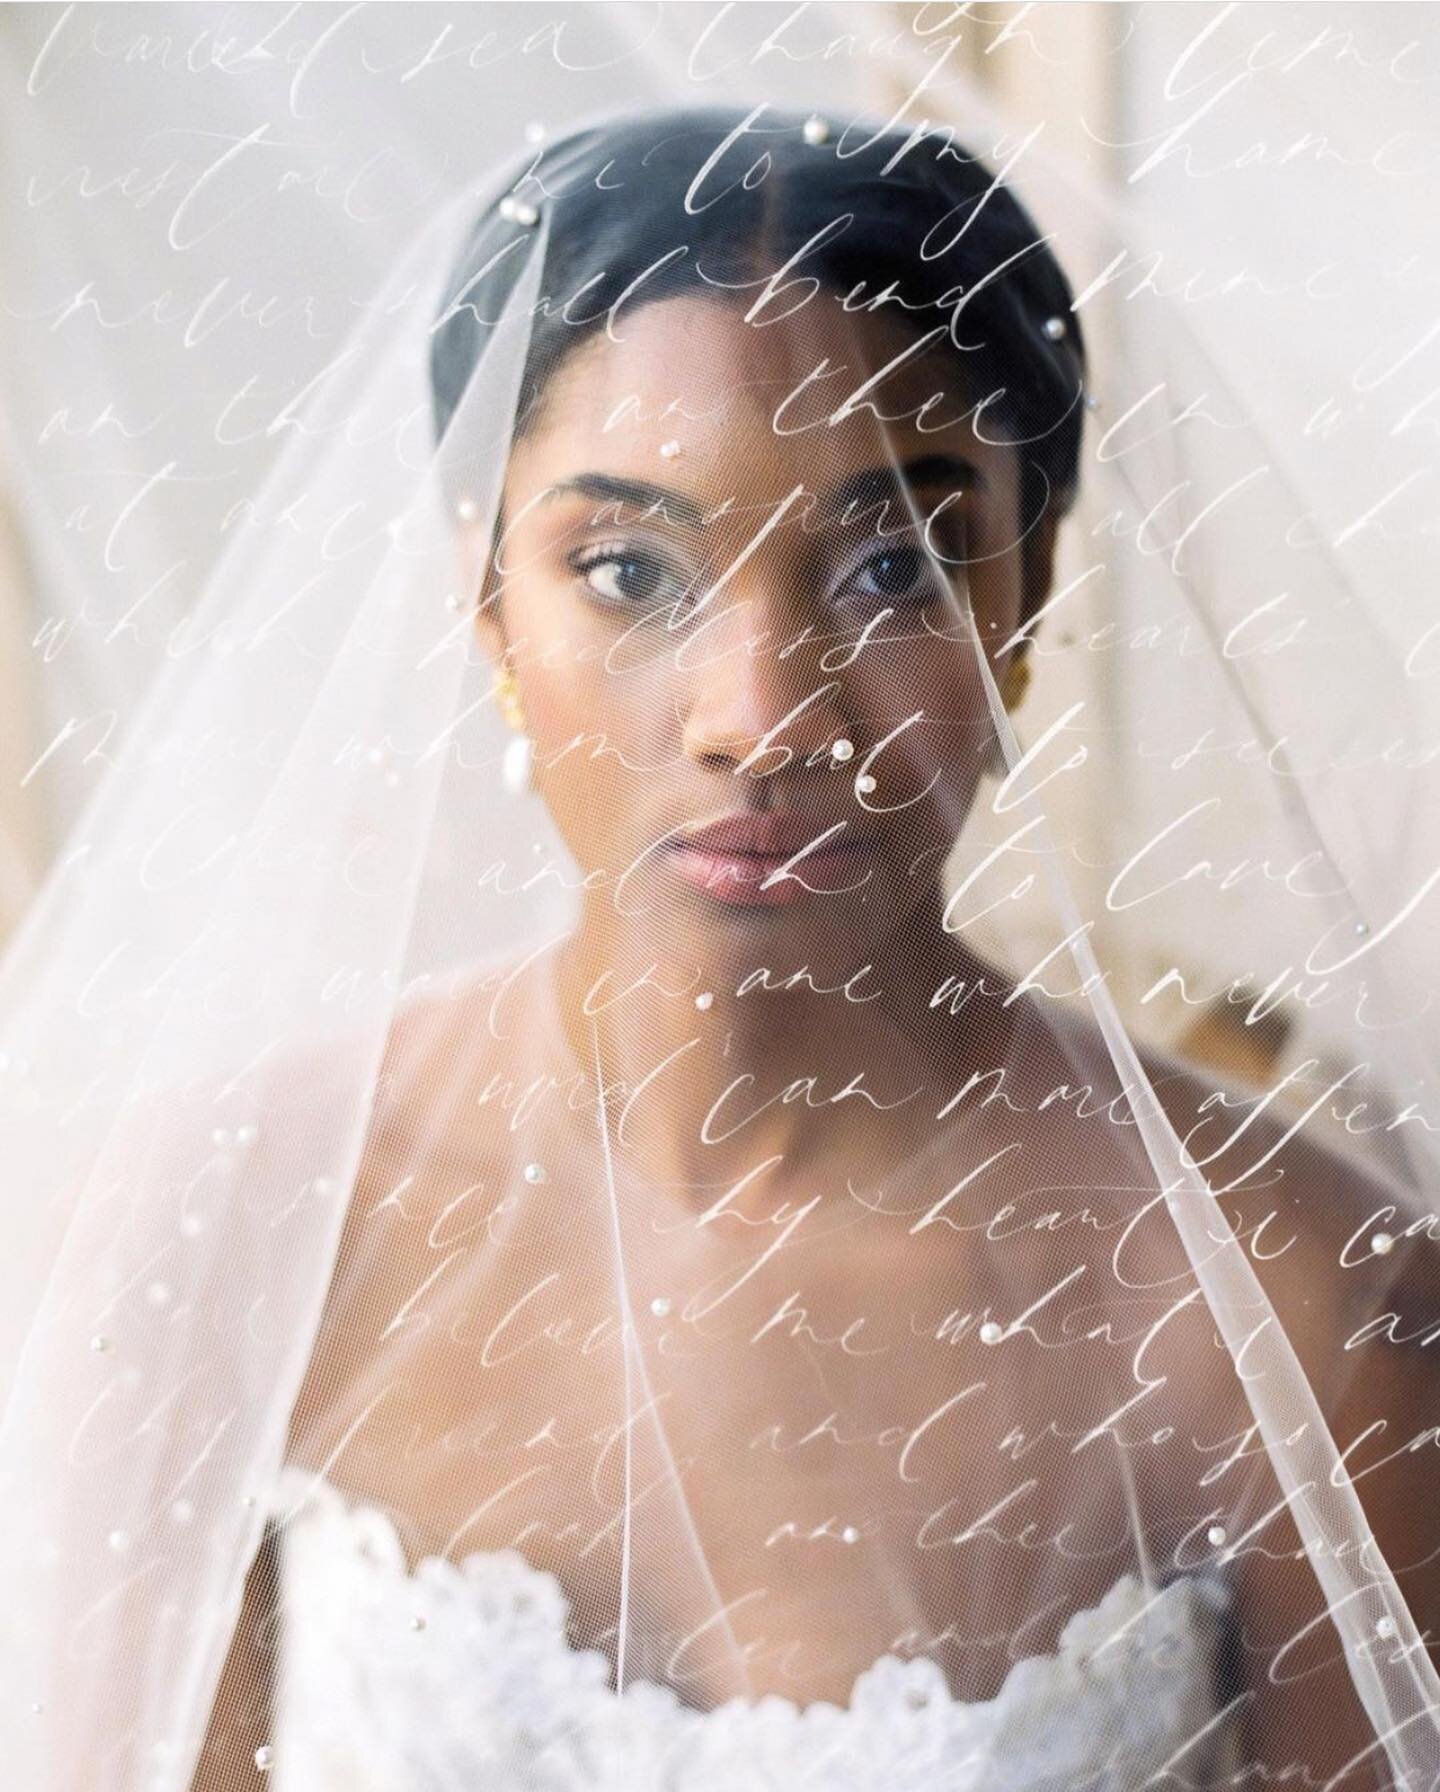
(459, 1676)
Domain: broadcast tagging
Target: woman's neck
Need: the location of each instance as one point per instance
(711, 1078)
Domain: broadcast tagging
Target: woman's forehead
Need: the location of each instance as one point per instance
(693, 392)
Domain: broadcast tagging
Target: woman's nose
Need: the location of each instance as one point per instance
(760, 700)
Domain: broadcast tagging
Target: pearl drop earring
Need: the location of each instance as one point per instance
(507, 698)
(517, 763)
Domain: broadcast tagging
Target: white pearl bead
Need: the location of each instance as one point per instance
(535, 131)
(516, 763)
(850, 1534)
(535, 1173)
(842, 749)
(1054, 328)
(864, 783)
(247, 1134)
(467, 510)
(181, 1511)
(1216, 1534)
(671, 450)
(990, 1332)
(1383, 1243)
(264, 1757)
(518, 211)
(705, 999)
(1384, 1627)
(660, 1306)
(815, 131)
(100, 1343)
(119, 1541)
(1362, 928)
(323, 1185)
(222, 1138)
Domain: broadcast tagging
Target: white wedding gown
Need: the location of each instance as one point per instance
(459, 1678)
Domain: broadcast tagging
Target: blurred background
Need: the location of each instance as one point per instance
(1277, 163)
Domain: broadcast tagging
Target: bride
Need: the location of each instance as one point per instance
(687, 1280)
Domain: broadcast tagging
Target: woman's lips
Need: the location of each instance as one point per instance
(735, 877)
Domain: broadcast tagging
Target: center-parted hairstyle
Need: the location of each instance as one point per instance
(771, 214)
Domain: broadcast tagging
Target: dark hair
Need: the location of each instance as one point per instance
(925, 223)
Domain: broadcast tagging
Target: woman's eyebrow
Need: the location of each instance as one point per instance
(891, 482)
(607, 488)
(874, 486)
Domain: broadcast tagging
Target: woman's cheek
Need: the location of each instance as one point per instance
(558, 666)
(597, 753)
(940, 737)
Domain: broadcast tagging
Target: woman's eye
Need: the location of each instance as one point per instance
(631, 577)
(897, 575)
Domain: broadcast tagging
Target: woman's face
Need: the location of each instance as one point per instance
(711, 568)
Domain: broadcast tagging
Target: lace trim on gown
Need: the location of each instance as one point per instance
(459, 1676)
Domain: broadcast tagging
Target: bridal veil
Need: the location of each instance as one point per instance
(623, 663)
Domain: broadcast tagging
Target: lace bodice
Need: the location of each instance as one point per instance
(459, 1676)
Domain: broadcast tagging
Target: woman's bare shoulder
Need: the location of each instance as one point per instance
(431, 1167)
(1280, 1147)
(1302, 1194)
(1335, 1236)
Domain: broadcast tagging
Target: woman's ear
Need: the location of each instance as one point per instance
(490, 625)
(480, 591)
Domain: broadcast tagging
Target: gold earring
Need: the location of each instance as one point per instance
(1015, 683)
(507, 695)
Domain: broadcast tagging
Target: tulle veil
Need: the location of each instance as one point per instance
(330, 1171)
